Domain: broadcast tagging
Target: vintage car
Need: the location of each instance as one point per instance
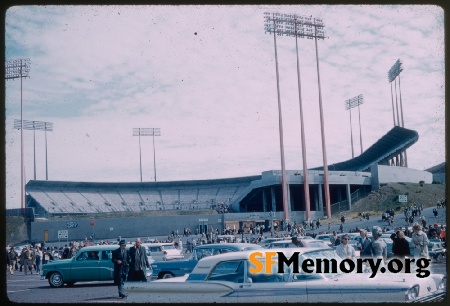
(168, 269)
(91, 263)
(436, 250)
(228, 278)
(163, 251)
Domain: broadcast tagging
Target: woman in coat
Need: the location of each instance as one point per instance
(419, 242)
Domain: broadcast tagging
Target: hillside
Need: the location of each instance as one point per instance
(387, 197)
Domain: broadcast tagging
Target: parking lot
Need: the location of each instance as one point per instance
(31, 289)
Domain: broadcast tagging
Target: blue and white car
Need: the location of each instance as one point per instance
(227, 278)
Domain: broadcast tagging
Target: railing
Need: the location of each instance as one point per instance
(355, 196)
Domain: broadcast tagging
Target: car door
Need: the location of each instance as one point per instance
(106, 266)
(246, 286)
(84, 269)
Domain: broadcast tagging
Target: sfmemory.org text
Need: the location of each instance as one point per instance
(346, 265)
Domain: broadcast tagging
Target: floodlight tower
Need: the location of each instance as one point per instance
(147, 132)
(19, 69)
(275, 31)
(40, 126)
(349, 104)
(393, 73)
(302, 26)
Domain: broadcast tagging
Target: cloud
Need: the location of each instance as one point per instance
(206, 76)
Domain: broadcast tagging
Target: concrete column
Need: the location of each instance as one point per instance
(264, 200)
(291, 203)
(320, 196)
(316, 200)
(349, 197)
(274, 206)
(375, 179)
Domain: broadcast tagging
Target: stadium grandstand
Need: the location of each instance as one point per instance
(61, 198)
(259, 193)
(235, 201)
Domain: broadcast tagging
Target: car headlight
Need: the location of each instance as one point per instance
(443, 284)
(412, 293)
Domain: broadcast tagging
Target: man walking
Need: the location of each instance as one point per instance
(138, 263)
(12, 256)
(121, 260)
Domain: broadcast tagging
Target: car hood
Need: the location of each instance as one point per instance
(57, 262)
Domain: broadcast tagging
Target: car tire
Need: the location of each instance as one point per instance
(167, 275)
(56, 280)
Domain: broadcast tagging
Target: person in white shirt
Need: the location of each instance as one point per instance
(345, 250)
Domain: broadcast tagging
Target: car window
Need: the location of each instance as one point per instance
(106, 255)
(155, 249)
(326, 267)
(204, 252)
(231, 271)
(88, 255)
(168, 247)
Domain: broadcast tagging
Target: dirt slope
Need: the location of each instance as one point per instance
(387, 197)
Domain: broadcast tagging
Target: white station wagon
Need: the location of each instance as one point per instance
(226, 278)
(163, 251)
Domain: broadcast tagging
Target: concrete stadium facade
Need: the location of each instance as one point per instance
(250, 199)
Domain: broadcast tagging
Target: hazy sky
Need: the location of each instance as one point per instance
(205, 75)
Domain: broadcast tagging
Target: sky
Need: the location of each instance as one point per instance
(206, 76)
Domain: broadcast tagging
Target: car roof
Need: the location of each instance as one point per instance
(156, 243)
(102, 247)
(210, 261)
(236, 246)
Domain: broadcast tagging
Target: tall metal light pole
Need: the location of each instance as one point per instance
(19, 69)
(302, 131)
(40, 126)
(147, 132)
(302, 26)
(349, 104)
(393, 73)
(280, 118)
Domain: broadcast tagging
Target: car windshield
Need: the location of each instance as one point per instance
(329, 265)
(168, 247)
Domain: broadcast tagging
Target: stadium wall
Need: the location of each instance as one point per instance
(112, 228)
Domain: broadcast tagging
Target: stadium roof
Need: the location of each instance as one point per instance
(437, 169)
(67, 185)
(395, 141)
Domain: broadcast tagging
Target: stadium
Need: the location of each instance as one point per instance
(110, 210)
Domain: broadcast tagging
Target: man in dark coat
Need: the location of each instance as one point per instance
(400, 247)
(139, 261)
(121, 260)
